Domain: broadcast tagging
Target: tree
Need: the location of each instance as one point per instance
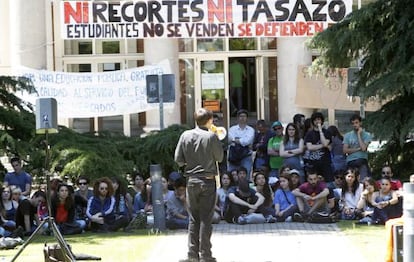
(17, 121)
(381, 35)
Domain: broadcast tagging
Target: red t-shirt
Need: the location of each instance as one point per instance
(311, 190)
(395, 184)
(61, 213)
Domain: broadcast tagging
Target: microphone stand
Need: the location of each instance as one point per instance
(66, 251)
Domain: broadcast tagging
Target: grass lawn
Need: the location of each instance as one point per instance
(118, 246)
(138, 245)
(369, 239)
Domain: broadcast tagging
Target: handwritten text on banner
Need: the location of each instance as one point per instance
(199, 18)
(95, 94)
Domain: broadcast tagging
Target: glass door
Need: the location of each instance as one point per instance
(266, 79)
(213, 94)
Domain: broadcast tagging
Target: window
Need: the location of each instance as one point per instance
(81, 68)
(106, 67)
(85, 48)
(210, 45)
(268, 43)
(242, 44)
(185, 45)
(110, 47)
(76, 47)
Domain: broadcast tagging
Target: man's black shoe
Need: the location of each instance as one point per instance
(297, 217)
(18, 232)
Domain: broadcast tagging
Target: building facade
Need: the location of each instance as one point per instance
(271, 91)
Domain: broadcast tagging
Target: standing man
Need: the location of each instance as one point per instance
(241, 136)
(317, 142)
(356, 147)
(19, 177)
(237, 75)
(273, 150)
(197, 152)
(261, 137)
(299, 121)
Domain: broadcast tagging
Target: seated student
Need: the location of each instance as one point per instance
(295, 178)
(226, 181)
(166, 193)
(311, 197)
(8, 208)
(242, 173)
(244, 205)
(83, 188)
(235, 177)
(81, 197)
(140, 194)
(395, 183)
(100, 209)
(335, 189)
(63, 210)
(274, 182)
(332, 207)
(26, 213)
(336, 184)
(16, 194)
(284, 200)
(350, 195)
(123, 202)
(365, 208)
(385, 202)
(177, 215)
(138, 184)
(262, 186)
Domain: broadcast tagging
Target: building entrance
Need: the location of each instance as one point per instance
(226, 85)
(242, 85)
(205, 81)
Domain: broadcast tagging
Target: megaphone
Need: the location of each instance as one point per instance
(220, 131)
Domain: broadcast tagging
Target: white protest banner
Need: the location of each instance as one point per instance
(199, 18)
(82, 95)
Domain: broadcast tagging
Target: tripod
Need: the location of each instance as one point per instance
(67, 252)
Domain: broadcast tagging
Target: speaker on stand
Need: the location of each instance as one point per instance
(46, 123)
(46, 116)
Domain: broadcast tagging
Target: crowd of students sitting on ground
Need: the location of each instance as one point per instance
(106, 205)
(303, 171)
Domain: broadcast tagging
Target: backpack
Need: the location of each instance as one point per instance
(237, 152)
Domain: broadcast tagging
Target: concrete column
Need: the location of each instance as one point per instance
(5, 33)
(126, 119)
(27, 25)
(291, 52)
(155, 51)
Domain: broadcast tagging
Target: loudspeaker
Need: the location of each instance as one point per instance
(46, 116)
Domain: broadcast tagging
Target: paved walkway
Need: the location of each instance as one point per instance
(277, 242)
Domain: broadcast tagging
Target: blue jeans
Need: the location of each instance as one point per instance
(339, 163)
(177, 223)
(362, 165)
(288, 212)
(201, 198)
